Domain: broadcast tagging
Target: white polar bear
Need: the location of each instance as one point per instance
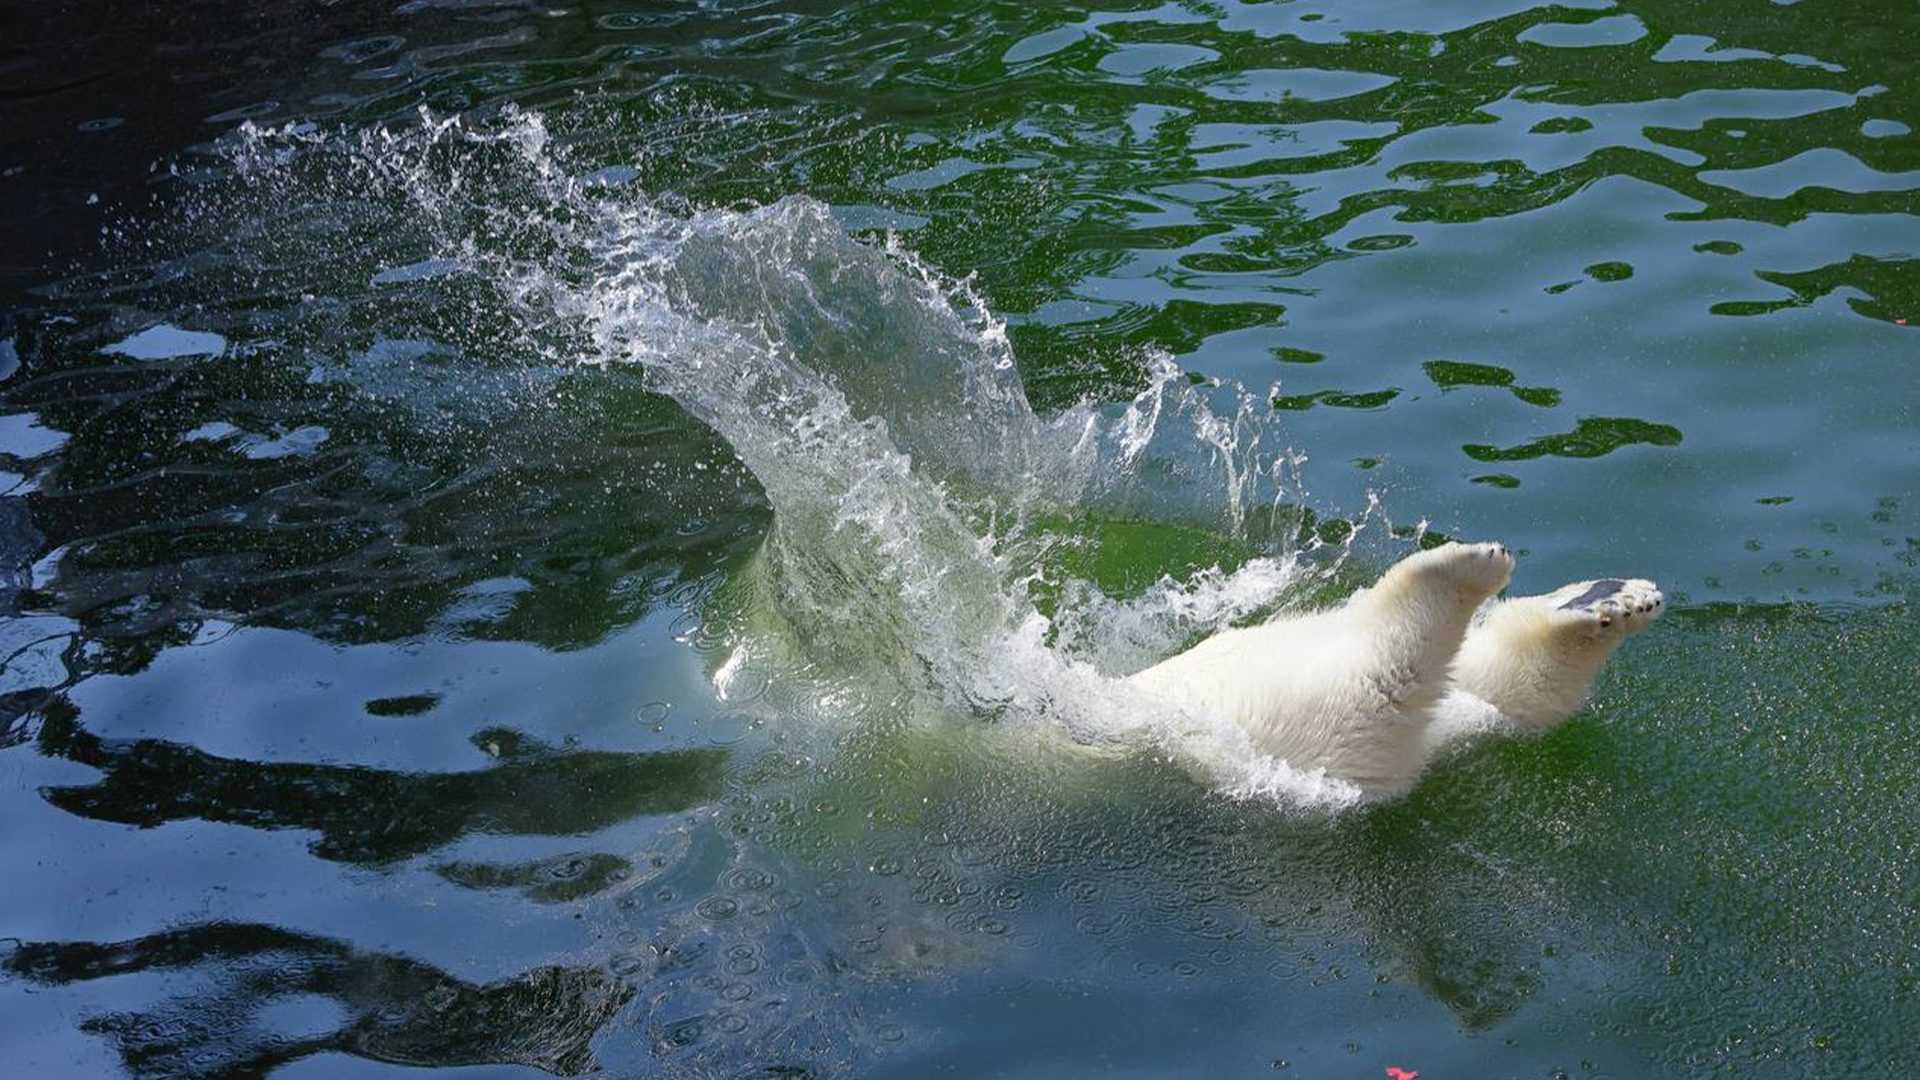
(1369, 690)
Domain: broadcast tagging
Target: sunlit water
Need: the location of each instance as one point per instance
(598, 538)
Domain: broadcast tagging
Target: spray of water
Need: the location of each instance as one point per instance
(926, 516)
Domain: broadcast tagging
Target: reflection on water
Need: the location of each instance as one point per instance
(254, 985)
(366, 815)
(403, 515)
(1652, 261)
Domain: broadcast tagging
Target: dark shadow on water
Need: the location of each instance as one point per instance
(371, 816)
(390, 1008)
(1372, 399)
(546, 881)
(1453, 374)
(408, 705)
(1891, 288)
(1593, 436)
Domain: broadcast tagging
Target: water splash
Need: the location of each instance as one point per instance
(932, 531)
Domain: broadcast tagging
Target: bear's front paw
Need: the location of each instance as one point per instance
(1483, 567)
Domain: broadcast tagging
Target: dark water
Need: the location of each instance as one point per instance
(377, 546)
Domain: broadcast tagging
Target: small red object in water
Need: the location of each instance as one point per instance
(1899, 322)
(1398, 1073)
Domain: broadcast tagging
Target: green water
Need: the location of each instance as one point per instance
(367, 614)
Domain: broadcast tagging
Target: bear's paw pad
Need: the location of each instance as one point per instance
(1610, 606)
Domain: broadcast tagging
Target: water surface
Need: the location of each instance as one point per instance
(552, 538)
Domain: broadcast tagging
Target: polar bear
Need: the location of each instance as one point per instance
(1370, 690)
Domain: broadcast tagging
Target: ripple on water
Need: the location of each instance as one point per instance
(378, 432)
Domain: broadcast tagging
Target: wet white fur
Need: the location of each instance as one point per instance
(1370, 690)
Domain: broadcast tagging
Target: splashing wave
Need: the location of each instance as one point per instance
(933, 534)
